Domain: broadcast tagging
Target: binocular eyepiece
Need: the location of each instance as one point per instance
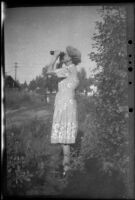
(52, 52)
(62, 54)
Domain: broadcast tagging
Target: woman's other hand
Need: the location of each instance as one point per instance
(57, 53)
(54, 58)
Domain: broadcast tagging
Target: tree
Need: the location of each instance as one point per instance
(51, 81)
(84, 82)
(106, 130)
(24, 85)
(44, 82)
(32, 85)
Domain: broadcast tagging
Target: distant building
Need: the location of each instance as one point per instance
(11, 83)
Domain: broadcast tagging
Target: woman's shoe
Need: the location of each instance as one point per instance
(66, 169)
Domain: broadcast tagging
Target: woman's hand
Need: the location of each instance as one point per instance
(57, 53)
(53, 61)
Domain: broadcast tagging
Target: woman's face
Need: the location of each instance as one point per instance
(66, 59)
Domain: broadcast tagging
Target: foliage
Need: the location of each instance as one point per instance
(31, 159)
(49, 83)
(34, 165)
(17, 174)
(85, 105)
(33, 162)
(84, 82)
(14, 99)
(24, 85)
(32, 85)
(106, 130)
(44, 82)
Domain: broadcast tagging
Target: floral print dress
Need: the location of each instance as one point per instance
(65, 123)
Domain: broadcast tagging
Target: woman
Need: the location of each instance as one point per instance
(65, 124)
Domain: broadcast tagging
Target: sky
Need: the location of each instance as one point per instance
(31, 32)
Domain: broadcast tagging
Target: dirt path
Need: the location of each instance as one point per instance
(22, 115)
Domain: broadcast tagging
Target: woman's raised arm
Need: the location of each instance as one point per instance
(51, 67)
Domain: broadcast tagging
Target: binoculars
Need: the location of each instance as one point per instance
(62, 54)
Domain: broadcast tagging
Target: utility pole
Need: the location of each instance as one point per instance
(16, 66)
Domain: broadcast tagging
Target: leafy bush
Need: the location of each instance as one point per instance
(112, 89)
(106, 129)
(85, 105)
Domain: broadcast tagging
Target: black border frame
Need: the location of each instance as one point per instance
(131, 73)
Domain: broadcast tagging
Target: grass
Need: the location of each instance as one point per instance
(33, 164)
(15, 99)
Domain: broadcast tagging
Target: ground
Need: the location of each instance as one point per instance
(90, 184)
(23, 114)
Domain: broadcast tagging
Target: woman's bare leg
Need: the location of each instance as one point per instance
(66, 156)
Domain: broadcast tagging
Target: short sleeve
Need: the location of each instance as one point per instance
(62, 72)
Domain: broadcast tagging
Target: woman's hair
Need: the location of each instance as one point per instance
(75, 54)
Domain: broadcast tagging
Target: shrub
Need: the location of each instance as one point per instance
(85, 105)
(106, 130)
